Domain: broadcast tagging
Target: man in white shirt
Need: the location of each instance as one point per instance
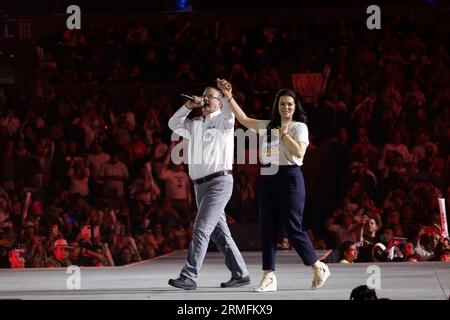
(113, 173)
(95, 160)
(177, 189)
(210, 158)
(395, 146)
(419, 150)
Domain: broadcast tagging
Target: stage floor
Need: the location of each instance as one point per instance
(148, 280)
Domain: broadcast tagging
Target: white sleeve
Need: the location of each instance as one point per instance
(179, 123)
(301, 133)
(228, 116)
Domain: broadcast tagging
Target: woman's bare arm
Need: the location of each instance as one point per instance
(226, 89)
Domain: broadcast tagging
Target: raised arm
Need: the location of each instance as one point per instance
(179, 123)
(226, 89)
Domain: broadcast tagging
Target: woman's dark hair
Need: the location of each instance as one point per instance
(363, 292)
(299, 113)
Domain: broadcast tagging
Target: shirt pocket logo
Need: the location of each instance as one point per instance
(209, 134)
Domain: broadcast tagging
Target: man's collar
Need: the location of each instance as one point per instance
(212, 114)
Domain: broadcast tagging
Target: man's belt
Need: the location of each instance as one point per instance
(212, 176)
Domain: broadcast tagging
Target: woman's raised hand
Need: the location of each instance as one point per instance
(225, 87)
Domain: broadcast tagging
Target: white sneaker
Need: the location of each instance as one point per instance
(268, 283)
(320, 276)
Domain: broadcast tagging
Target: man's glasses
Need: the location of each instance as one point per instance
(210, 97)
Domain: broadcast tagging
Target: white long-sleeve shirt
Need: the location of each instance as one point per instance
(211, 140)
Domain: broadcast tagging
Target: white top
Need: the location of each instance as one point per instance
(211, 140)
(177, 184)
(96, 160)
(276, 153)
(400, 148)
(114, 169)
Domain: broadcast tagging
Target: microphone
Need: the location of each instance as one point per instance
(187, 97)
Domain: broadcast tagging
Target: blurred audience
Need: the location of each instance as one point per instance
(98, 166)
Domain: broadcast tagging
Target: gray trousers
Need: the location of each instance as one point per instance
(210, 223)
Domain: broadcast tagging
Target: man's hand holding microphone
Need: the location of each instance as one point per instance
(193, 101)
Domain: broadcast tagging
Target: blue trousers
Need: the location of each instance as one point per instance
(282, 201)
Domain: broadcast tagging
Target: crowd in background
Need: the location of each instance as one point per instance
(104, 191)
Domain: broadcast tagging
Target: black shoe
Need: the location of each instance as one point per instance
(183, 283)
(233, 283)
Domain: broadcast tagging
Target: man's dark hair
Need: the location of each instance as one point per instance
(345, 245)
(362, 293)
